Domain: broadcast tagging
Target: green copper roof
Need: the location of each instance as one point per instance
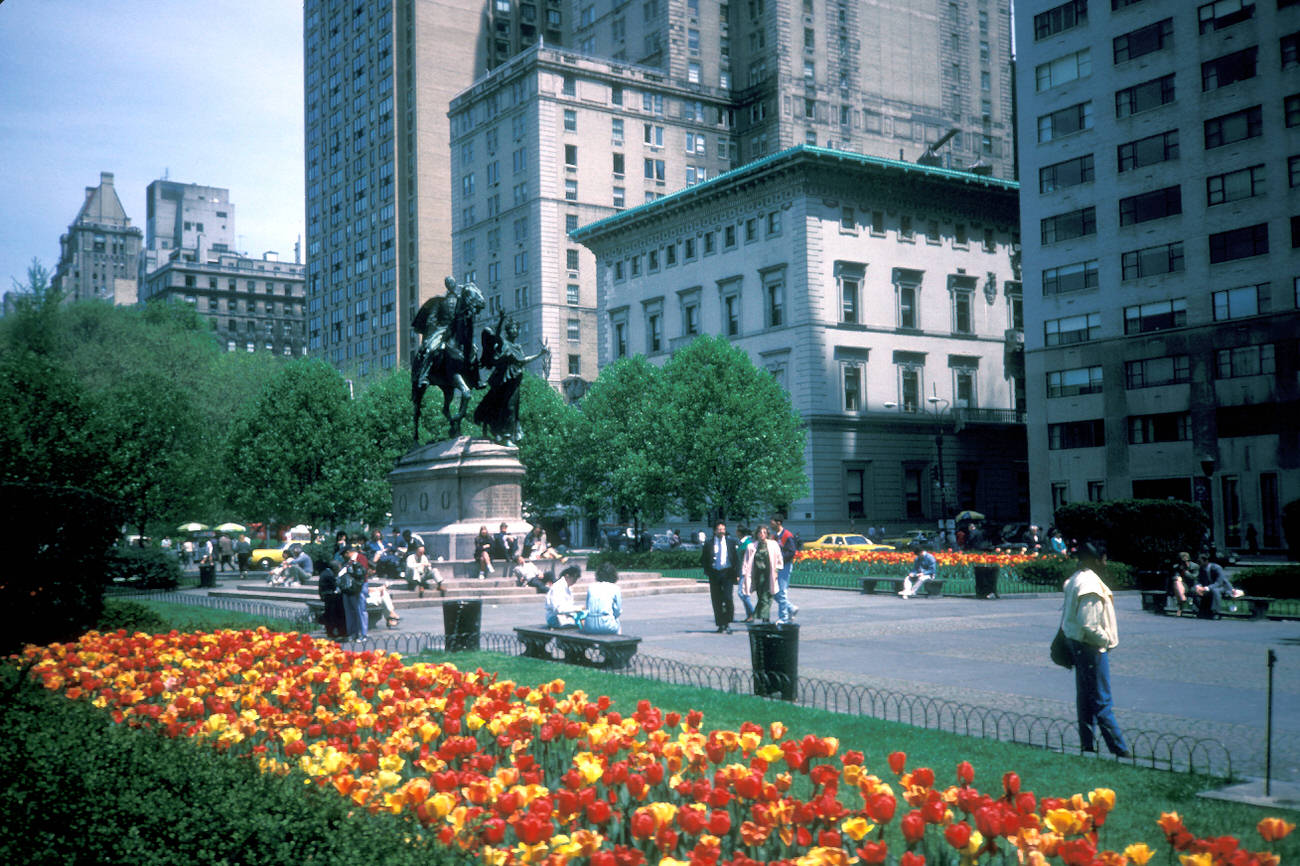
(758, 166)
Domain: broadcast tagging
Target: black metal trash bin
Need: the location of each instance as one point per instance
(460, 623)
(774, 654)
(208, 574)
(986, 581)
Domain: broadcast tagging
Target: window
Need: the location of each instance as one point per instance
(616, 131)
(729, 237)
(731, 314)
(1097, 489)
(1152, 261)
(653, 135)
(852, 387)
(1066, 226)
(1290, 48)
(751, 230)
(1291, 110)
(574, 330)
(1063, 69)
(652, 261)
(1071, 172)
(963, 388)
(620, 339)
(907, 309)
(688, 249)
(1060, 494)
(654, 169)
(1244, 361)
(1234, 185)
(1145, 96)
(848, 220)
(773, 223)
(571, 259)
(1076, 434)
(1148, 151)
(1223, 13)
(1060, 18)
(654, 332)
(850, 286)
(1240, 302)
(1234, 127)
(1229, 69)
(570, 189)
(905, 227)
(1156, 204)
(962, 313)
(909, 385)
(1293, 171)
(1157, 316)
(774, 289)
(1065, 122)
(570, 120)
(1144, 40)
(1071, 329)
(1153, 372)
(1239, 243)
(570, 156)
(1073, 382)
(1161, 427)
(1076, 277)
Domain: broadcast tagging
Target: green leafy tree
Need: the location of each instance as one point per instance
(547, 448)
(289, 454)
(735, 443)
(1147, 534)
(382, 415)
(620, 443)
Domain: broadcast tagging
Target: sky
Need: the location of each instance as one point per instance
(199, 91)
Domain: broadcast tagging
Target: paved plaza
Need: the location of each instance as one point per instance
(1183, 676)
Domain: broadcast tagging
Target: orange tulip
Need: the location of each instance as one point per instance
(1273, 829)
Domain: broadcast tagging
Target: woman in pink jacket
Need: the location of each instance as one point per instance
(758, 572)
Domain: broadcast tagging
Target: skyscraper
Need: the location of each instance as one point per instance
(1161, 163)
(98, 254)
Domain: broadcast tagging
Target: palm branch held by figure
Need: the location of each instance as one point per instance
(498, 413)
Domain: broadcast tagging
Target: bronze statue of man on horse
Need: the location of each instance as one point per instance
(448, 356)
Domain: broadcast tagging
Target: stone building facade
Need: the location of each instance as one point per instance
(883, 296)
(98, 254)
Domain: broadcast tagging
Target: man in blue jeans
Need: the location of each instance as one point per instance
(785, 611)
(1088, 621)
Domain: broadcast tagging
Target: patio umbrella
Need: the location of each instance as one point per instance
(231, 527)
(970, 515)
(191, 527)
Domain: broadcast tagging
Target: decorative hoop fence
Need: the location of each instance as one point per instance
(1156, 749)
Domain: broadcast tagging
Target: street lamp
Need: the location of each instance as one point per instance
(934, 400)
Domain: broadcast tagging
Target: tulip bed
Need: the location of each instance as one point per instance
(507, 773)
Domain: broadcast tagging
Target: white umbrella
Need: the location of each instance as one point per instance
(970, 515)
(231, 527)
(192, 527)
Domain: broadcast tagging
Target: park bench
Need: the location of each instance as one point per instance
(374, 612)
(932, 587)
(611, 651)
(1154, 600)
(1242, 607)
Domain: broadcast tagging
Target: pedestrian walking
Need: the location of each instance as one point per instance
(1088, 620)
(741, 546)
(720, 561)
(785, 610)
(759, 571)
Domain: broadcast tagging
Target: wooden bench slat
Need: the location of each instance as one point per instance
(932, 587)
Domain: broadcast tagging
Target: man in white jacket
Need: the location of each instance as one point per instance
(1089, 624)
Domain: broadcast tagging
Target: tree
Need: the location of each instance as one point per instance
(620, 444)
(289, 454)
(382, 415)
(547, 448)
(735, 443)
(1147, 534)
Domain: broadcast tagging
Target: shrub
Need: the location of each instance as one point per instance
(142, 567)
(139, 797)
(650, 560)
(1270, 581)
(55, 578)
(1146, 533)
(1054, 571)
(130, 615)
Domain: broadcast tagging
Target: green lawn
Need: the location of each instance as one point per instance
(1141, 794)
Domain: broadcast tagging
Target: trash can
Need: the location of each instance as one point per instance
(986, 581)
(208, 574)
(460, 623)
(774, 654)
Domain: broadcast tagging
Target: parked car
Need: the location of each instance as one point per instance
(266, 557)
(907, 539)
(845, 541)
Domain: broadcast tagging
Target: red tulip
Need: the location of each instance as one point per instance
(958, 835)
(881, 808)
(897, 761)
(912, 859)
(1010, 784)
(923, 776)
(829, 839)
(913, 827)
(719, 822)
(598, 812)
(965, 773)
(874, 852)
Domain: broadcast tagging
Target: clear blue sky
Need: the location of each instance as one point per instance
(208, 91)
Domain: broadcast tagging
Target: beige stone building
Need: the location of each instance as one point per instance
(553, 140)
(1161, 151)
(884, 296)
(98, 254)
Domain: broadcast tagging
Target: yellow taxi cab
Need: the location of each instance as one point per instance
(845, 541)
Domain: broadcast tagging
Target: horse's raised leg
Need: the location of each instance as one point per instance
(453, 421)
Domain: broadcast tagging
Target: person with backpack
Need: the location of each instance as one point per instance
(352, 585)
(788, 542)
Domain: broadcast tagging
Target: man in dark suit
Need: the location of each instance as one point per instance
(721, 563)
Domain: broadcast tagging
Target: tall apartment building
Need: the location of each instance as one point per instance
(885, 297)
(1160, 145)
(869, 76)
(379, 75)
(551, 141)
(185, 216)
(99, 252)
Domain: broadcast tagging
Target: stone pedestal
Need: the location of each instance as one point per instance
(446, 490)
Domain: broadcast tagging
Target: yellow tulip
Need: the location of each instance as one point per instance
(857, 827)
(1139, 853)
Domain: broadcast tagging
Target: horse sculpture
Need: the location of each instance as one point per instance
(447, 355)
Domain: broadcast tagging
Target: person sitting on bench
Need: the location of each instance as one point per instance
(923, 568)
(605, 603)
(1213, 586)
(559, 600)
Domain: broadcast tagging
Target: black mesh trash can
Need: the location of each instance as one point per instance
(208, 574)
(986, 581)
(774, 654)
(460, 623)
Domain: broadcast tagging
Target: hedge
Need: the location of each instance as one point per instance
(77, 788)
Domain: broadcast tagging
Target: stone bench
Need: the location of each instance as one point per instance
(610, 651)
(1245, 607)
(374, 612)
(1154, 600)
(932, 587)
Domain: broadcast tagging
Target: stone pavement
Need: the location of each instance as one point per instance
(1189, 677)
(1182, 676)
